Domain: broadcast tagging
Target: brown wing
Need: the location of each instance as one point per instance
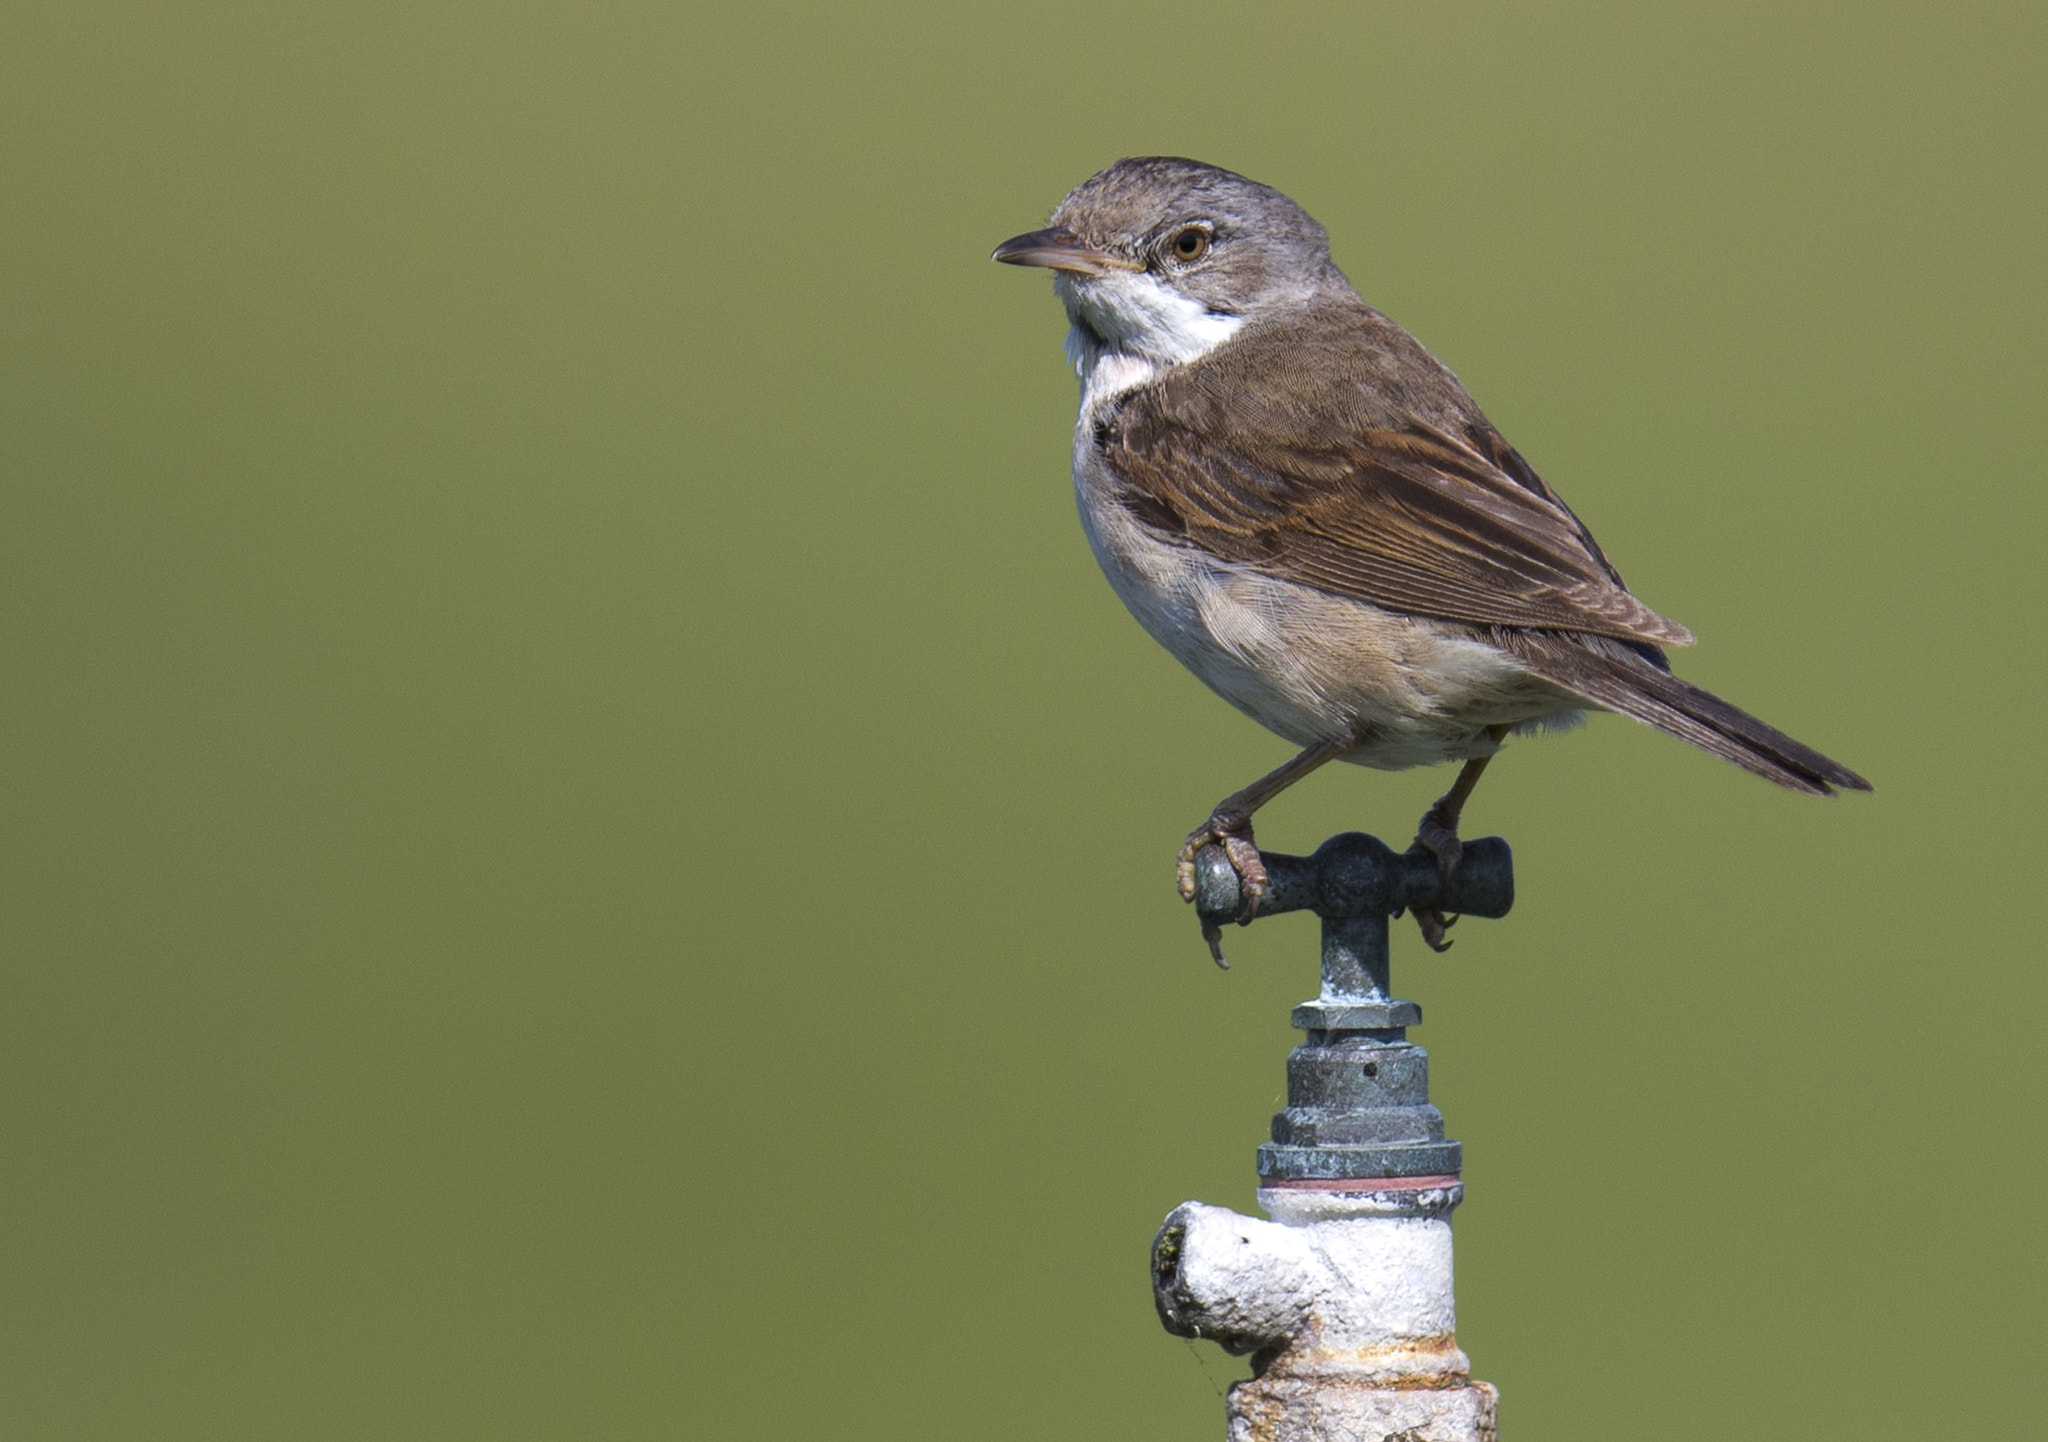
(1346, 458)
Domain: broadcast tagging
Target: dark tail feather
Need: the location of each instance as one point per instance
(1620, 680)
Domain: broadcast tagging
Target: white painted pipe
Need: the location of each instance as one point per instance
(1346, 1299)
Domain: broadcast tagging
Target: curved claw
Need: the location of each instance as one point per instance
(1434, 924)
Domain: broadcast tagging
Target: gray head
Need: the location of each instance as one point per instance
(1166, 256)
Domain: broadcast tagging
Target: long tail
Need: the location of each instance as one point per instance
(1610, 674)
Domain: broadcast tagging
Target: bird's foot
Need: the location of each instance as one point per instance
(1438, 835)
(1233, 832)
(1433, 924)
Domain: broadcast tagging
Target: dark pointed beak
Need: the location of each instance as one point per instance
(1058, 250)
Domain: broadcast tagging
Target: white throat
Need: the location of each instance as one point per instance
(1130, 326)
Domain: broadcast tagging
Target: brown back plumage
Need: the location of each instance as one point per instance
(1330, 449)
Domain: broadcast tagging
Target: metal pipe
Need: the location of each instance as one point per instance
(1345, 1298)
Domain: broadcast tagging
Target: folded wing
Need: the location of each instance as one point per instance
(1360, 479)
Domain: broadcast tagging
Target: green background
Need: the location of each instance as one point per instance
(588, 854)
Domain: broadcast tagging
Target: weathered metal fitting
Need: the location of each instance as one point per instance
(1345, 1296)
(1301, 1202)
(1391, 1016)
(1280, 1406)
(1351, 1071)
(1237, 1281)
(1347, 1163)
(1353, 874)
(1352, 1292)
(1358, 1108)
(1362, 1127)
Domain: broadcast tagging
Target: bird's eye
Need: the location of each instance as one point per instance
(1191, 244)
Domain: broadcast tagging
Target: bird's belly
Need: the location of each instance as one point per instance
(1309, 665)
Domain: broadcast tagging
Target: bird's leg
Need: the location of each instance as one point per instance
(1230, 826)
(1438, 834)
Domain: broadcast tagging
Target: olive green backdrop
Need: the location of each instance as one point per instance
(587, 854)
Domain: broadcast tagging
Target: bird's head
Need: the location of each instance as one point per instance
(1166, 258)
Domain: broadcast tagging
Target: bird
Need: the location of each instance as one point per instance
(1307, 509)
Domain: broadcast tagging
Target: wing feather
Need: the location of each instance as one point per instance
(1366, 472)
